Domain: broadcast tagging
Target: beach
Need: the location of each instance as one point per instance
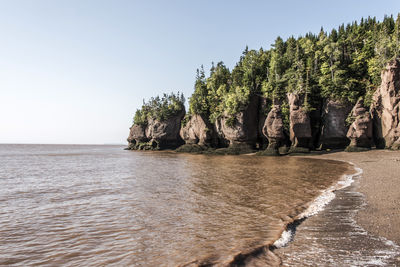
(380, 183)
(361, 225)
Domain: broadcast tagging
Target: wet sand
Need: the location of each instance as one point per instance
(361, 226)
(380, 183)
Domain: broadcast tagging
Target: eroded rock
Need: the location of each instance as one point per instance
(198, 131)
(240, 130)
(136, 135)
(300, 127)
(386, 108)
(157, 134)
(334, 128)
(165, 133)
(273, 130)
(262, 116)
(360, 131)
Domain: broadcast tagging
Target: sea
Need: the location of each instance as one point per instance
(101, 205)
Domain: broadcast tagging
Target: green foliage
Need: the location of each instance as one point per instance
(230, 121)
(191, 148)
(228, 93)
(285, 115)
(275, 85)
(236, 100)
(160, 108)
(368, 97)
(140, 118)
(186, 119)
(344, 64)
(350, 119)
(251, 70)
(198, 101)
(218, 84)
(206, 99)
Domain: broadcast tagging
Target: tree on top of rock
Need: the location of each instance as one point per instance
(160, 108)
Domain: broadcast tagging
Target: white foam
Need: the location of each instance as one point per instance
(285, 238)
(318, 205)
(328, 195)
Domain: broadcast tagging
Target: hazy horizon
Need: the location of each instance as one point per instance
(74, 72)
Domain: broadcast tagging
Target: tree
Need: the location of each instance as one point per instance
(160, 108)
(275, 86)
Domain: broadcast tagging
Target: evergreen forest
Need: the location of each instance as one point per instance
(343, 64)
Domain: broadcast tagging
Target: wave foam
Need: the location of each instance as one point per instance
(318, 205)
(286, 237)
(328, 194)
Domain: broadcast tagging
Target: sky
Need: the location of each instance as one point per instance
(75, 71)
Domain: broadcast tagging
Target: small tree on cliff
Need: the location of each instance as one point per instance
(198, 101)
(218, 85)
(275, 85)
(160, 108)
(206, 99)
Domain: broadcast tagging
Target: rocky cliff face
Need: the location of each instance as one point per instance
(136, 135)
(334, 129)
(244, 128)
(157, 134)
(386, 108)
(326, 127)
(166, 133)
(198, 131)
(273, 130)
(262, 116)
(360, 131)
(300, 127)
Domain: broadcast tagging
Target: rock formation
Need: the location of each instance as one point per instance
(136, 136)
(273, 130)
(334, 128)
(360, 131)
(386, 108)
(262, 116)
(241, 130)
(165, 133)
(198, 131)
(157, 134)
(300, 127)
(326, 126)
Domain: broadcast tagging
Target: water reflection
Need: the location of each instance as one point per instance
(99, 205)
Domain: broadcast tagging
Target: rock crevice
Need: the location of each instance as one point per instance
(386, 108)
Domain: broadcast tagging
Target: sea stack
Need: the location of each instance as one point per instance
(360, 131)
(300, 127)
(386, 108)
(273, 130)
(240, 130)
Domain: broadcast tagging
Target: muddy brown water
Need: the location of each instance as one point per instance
(75, 205)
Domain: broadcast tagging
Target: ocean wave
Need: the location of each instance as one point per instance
(317, 205)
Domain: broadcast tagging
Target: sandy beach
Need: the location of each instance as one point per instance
(361, 225)
(380, 183)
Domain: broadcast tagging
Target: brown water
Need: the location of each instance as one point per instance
(99, 205)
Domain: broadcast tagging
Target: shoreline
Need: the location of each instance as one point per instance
(269, 253)
(353, 228)
(317, 205)
(358, 234)
(369, 225)
(381, 187)
(378, 183)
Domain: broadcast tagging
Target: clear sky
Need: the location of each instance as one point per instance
(75, 71)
